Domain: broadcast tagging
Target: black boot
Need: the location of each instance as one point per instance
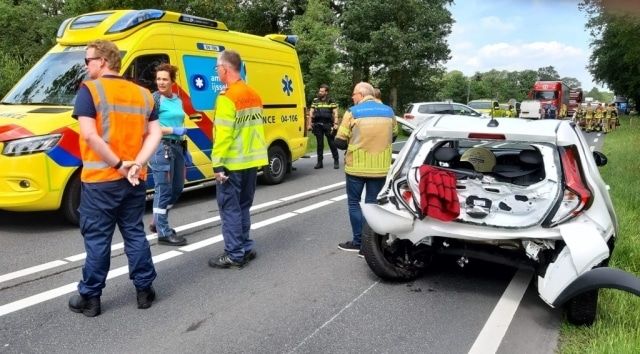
(318, 165)
(88, 306)
(336, 164)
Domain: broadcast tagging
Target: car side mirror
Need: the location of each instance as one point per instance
(601, 159)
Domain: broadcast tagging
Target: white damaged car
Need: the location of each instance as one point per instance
(525, 193)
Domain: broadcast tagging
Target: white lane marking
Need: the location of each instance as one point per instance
(197, 223)
(69, 288)
(200, 244)
(332, 186)
(296, 196)
(153, 236)
(313, 206)
(599, 134)
(592, 148)
(66, 289)
(595, 140)
(74, 258)
(264, 205)
(37, 298)
(31, 270)
(339, 198)
(334, 317)
(498, 322)
(274, 219)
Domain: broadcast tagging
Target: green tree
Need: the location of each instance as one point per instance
(615, 55)
(572, 82)
(454, 85)
(548, 73)
(395, 42)
(317, 33)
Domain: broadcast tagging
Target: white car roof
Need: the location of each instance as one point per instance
(514, 129)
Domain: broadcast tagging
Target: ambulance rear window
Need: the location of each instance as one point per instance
(89, 21)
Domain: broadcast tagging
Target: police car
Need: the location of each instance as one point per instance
(524, 193)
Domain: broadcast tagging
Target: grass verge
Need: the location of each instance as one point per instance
(617, 326)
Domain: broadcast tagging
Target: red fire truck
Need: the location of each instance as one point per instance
(554, 93)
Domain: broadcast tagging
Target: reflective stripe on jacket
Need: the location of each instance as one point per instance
(323, 110)
(122, 113)
(368, 127)
(239, 132)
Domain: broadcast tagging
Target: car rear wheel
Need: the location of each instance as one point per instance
(399, 260)
(581, 310)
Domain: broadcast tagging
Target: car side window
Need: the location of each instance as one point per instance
(142, 70)
(442, 108)
(463, 111)
(425, 108)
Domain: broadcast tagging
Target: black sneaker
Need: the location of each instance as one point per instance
(348, 246)
(318, 165)
(152, 228)
(249, 256)
(336, 164)
(88, 306)
(360, 254)
(224, 261)
(145, 297)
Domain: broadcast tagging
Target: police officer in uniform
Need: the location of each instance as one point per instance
(119, 131)
(324, 122)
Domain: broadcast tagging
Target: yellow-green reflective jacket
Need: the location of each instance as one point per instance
(239, 133)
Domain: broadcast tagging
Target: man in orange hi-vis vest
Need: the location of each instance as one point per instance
(119, 132)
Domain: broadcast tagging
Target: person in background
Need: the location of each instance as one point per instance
(324, 122)
(119, 131)
(239, 151)
(366, 132)
(168, 163)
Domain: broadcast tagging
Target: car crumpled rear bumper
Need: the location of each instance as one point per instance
(570, 274)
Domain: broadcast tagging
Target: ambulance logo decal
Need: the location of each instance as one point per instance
(199, 82)
(287, 85)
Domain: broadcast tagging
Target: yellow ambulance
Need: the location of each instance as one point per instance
(40, 158)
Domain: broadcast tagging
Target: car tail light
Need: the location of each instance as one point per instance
(408, 116)
(486, 136)
(407, 195)
(577, 195)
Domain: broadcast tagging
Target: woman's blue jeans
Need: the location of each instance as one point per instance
(167, 165)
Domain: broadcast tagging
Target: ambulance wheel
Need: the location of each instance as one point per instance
(581, 309)
(274, 172)
(71, 200)
(399, 260)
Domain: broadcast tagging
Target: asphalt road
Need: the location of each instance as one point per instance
(301, 294)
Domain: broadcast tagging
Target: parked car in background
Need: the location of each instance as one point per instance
(485, 106)
(418, 112)
(518, 192)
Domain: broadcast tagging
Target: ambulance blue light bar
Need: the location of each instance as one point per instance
(135, 18)
(292, 39)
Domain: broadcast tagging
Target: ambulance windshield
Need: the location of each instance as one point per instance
(54, 80)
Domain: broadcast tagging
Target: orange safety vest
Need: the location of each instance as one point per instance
(122, 113)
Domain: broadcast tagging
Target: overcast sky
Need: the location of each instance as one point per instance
(520, 34)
